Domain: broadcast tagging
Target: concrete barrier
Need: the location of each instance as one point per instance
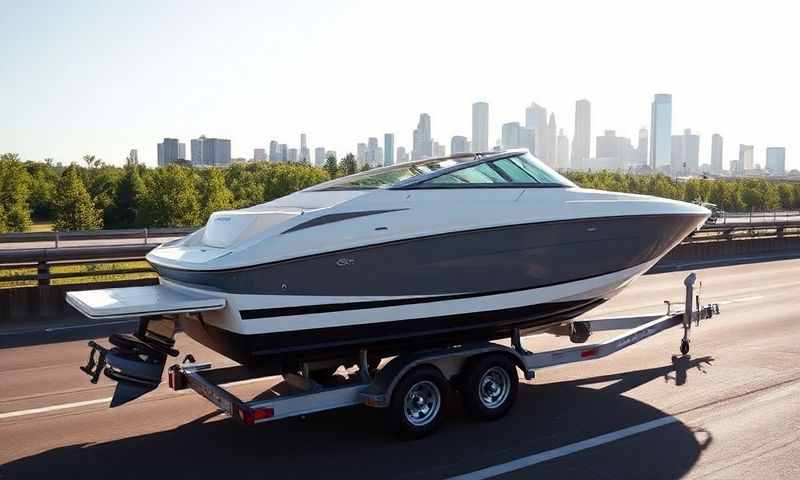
(698, 254)
(32, 307)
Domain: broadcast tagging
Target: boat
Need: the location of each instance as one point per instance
(425, 254)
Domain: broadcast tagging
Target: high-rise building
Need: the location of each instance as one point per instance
(212, 152)
(361, 154)
(641, 147)
(402, 155)
(388, 149)
(613, 152)
(661, 131)
(292, 157)
(527, 139)
(582, 141)
(459, 144)
(480, 127)
(685, 152)
(423, 143)
(745, 162)
(319, 156)
(133, 157)
(373, 156)
(716, 153)
(283, 152)
(259, 155)
(776, 160)
(169, 151)
(551, 153)
(439, 150)
(509, 137)
(536, 119)
(274, 155)
(304, 154)
(562, 148)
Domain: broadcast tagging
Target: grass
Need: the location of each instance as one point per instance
(41, 227)
(104, 272)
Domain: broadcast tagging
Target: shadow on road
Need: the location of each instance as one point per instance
(353, 443)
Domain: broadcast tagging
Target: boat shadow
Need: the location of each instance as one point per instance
(354, 443)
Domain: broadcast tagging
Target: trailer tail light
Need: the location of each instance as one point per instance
(252, 415)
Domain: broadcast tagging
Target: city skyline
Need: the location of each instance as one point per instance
(114, 100)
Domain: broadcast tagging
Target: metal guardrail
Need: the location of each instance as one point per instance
(43, 259)
(123, 234)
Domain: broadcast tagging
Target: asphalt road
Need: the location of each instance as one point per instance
(731, 409)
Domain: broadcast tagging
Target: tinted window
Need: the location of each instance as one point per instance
(482, 173)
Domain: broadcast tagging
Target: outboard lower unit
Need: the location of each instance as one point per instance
(136, 361)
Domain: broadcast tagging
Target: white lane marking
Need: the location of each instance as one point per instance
(66, 406)
(541, 457)
(740, 300)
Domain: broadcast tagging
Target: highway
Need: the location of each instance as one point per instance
(730, 409)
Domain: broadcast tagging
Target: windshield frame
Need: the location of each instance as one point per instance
(424, 181)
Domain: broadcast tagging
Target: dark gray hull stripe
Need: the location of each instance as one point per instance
(252, 314)
(337, 217)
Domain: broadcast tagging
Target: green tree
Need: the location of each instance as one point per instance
(331, 166)
(43, 190)
(129, 195)
(216, 195)
(171, 199)
(75, 208)
(15, 184)
(348, 164)
(92, 161)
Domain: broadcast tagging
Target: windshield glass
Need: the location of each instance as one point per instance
(520, 169)
(387, 176)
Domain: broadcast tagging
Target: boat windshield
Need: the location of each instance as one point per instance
(388, 176)
(508, 171)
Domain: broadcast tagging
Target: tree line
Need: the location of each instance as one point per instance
(734, 195)
(98, 196)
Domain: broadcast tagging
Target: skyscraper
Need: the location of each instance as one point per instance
(480, 127)
(716, 153)
(213, 152)
(423, 144)
(661, 131)
(613, 152)
(259, 155)
(641, 147)
(550, 153)
(562, 156)
(459, 144)
(304, 154)
(319, 156)
(169, 151)
(776, 160)
(510, 135)
(745, 162)
(402, 155)
(685, 152)
(361, 154)
(374, 153)
(582, 141)
(536, 119)
(133, 157)
(439, 150)
(292, 157)
(274, 155)
(283, 152)
(388, 149)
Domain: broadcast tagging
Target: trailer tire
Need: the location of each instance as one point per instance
(489, 386)
(418, 402)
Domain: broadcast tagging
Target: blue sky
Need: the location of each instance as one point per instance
(103, 77)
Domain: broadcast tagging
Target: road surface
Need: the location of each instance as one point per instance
(729, 410)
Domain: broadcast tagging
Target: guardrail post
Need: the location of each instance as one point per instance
(56, 238)
(43, 273)
(145, 236)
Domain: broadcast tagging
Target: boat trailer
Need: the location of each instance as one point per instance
(415, 386)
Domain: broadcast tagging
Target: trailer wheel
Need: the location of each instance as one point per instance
(489, 387)
(418, 402)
